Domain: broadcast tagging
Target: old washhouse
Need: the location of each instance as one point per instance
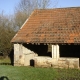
(49, 38)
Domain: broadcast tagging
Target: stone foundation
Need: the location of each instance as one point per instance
(60, 63)
(43, 61)
(68, 62)
(22, 55)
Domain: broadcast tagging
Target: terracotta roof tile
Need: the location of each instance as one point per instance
(51, 26)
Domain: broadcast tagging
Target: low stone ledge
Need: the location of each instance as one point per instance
(56, 63)
(42, 61)
(69, 62)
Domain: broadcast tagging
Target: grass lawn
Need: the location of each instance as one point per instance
(5, 61)
(31, 73)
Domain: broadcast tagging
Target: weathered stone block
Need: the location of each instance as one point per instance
(66, 66)
(68, 62)
(42, 61)
(76, 64)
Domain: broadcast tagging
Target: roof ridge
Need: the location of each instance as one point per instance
(58, 8)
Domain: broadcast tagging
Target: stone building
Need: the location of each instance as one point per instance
(49, 38)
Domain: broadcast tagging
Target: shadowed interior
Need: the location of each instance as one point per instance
(41, 50)
(70, 51)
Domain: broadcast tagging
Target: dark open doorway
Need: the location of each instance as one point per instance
(70, 51)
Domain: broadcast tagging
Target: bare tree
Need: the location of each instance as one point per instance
(28, 6)
(19, 19)
(25, 7)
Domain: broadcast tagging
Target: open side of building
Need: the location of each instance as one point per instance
(40, 56)
(49, 38)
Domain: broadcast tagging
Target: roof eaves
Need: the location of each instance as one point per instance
(23, 25)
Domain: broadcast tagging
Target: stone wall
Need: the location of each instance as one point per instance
(60, 63)
(22, 55)
(67, 63)
(41, 61)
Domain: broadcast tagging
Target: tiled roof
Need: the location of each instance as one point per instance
(51, 26)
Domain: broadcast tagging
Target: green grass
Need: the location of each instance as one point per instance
(31, 73)
(5, 60)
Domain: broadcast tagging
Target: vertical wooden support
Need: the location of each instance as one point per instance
(52, 51)
(55, 51)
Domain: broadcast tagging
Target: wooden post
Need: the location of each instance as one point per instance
(55, 51)
(52, 51)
